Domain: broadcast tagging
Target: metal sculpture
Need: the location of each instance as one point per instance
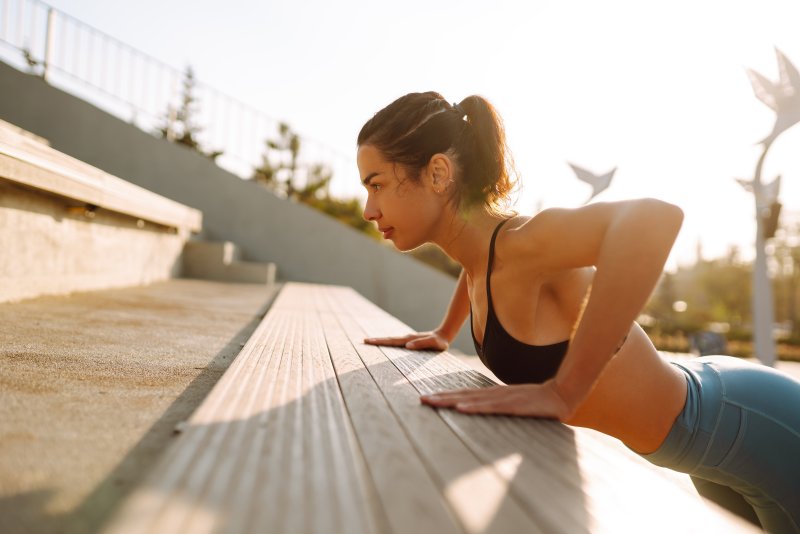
(599, 182)
(783, 97)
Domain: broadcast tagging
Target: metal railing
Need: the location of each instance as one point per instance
(143, 90)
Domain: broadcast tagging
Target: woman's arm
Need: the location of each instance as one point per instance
(444, 334)
(457, 311)
(628, 243)
(634, 245)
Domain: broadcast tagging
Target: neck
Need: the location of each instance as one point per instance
(465, 236)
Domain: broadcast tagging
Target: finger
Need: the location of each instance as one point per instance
(451, 398)
(483, 408)
(504, 402)
(418, 343)
(459, 392)
(427, 342)
(390, 341)
(441, 402)
(511, 404)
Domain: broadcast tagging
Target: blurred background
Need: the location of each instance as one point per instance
(666, 93)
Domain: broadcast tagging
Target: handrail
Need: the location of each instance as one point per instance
(79, 59)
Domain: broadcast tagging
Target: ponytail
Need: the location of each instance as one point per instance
(488, 168)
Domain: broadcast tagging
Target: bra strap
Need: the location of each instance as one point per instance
(490, 265)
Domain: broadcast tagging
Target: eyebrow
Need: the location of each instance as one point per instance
(370, 177)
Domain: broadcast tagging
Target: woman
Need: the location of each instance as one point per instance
(552, 300)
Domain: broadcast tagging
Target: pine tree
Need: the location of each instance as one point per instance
(180, 124)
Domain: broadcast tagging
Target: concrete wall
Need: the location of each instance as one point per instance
(49, 249)
(307, 245)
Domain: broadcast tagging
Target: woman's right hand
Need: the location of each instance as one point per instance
(432, 340)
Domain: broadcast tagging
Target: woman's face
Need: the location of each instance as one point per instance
(406, 211)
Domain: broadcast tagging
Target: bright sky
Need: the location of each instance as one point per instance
(656, 88)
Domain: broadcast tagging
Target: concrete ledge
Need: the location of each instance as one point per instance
(222, 261)
(27, 161)
(66, 226)
(50, 248)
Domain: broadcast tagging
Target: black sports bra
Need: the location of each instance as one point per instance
(511, 360)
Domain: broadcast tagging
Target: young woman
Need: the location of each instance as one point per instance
(552, 301)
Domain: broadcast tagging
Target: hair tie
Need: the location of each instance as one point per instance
(458, 109)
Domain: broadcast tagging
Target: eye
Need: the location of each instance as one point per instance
(375, 187)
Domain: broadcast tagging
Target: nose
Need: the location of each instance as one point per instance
(371, 211)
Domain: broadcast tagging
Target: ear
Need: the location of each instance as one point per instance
(440, 172)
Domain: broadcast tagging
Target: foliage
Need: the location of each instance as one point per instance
(718, 294)
(347, 211)
(180, 125)
(282, 176)
(715, 291)
(786, 262)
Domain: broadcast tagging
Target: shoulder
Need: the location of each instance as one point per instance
(564, 238)
(526, 241)
(543, 238)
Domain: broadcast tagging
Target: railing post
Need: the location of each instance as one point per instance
(6, 12)
(20, 22)
(49, 43)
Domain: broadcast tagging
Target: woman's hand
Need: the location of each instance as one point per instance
(433, 340)
(531, 400)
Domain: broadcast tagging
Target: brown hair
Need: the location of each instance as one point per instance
(413, 128)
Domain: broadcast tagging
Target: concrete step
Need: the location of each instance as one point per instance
(222, 261)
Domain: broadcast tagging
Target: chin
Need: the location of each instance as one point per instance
(406, 247)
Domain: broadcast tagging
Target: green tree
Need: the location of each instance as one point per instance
(318, 178)
(786, 257)
(180, 125)
(714, 291)
(281, 176)
(346, 210)
(660, 306)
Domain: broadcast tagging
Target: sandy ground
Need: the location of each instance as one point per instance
(92, 386)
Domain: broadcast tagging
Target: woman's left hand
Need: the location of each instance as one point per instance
(531, 400)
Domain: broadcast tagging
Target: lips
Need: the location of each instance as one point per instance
(386, 231)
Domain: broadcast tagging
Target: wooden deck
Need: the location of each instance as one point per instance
(310, 430)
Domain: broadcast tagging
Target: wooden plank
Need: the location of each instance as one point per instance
(245, 462)
(470, 487)
(571, 479)
(311, 430)
(409, 497)
(506, 460)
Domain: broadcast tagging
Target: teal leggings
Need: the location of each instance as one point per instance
(740, 429)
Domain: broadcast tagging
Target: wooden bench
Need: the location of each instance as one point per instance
(310, 430)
